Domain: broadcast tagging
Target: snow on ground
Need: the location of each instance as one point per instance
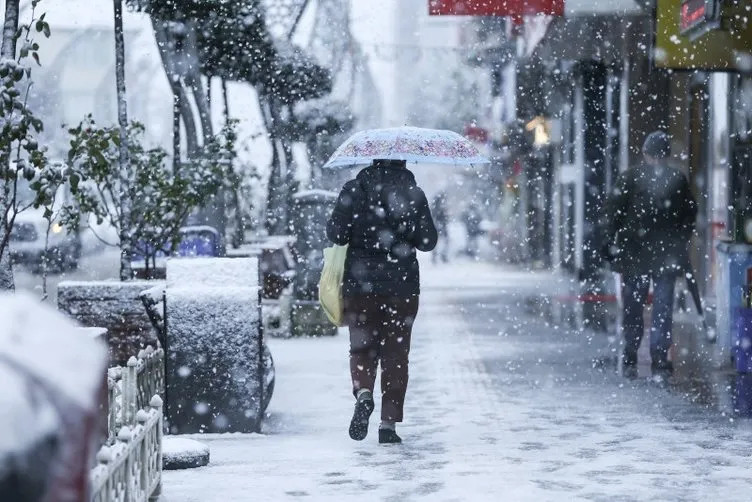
(501, 406)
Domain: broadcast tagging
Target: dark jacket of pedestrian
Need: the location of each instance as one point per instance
(384, 217)
(650, 218)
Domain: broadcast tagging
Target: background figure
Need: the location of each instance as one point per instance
(440, 213)
(650, 217)
(472, 218)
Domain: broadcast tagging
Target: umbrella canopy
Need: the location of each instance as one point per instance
(411, 144)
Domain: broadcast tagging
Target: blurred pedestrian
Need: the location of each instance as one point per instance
(472, 218)
(384, 217)
(650, 219)
(440, 213)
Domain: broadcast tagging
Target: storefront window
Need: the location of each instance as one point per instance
(741, 156)
(742, 106)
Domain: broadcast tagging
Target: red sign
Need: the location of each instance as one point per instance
(697, 17)
(476, 133)
(692, 13)
(514, 8)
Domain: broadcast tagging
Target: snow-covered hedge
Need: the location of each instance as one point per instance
(215, 345)
(113, 305)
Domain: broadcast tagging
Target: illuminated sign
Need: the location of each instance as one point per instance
(709, 35)
(698, 16)
(514, 8)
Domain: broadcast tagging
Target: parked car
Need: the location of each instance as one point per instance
(27, 243)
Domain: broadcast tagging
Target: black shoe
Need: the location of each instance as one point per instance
(388, 436)
(629, 371)
(662, 371)
(662, 367)
(359, 422)
(662, 374)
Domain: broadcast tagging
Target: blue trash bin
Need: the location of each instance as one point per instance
(735, 262)
(199, 241)
(743, 341)
(742, 397)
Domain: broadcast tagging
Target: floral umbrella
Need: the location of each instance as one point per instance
(411, 144)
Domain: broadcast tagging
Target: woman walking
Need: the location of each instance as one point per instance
(384, 217)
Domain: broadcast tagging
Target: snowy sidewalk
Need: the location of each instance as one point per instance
(500, 406)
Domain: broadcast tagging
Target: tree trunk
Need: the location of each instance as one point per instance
(189, 123)
(8, 51)
(46, 260)
(192, 79)
(125, 203)
(275, 218)
(290, 184)
(168, 55)
(276, 214)
(209, 95)
(199, 96)
(9, 29)
(175, 130)
(225, 101)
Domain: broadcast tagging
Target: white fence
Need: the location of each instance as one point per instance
(129, 465)
(131, 388)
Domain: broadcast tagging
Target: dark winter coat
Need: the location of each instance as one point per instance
(650, 218)
(384, 217)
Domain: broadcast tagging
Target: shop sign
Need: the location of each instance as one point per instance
(513, 8)
(709, 35)
(698, 16)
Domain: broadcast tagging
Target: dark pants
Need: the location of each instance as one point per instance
(380, 329)
(635, 295)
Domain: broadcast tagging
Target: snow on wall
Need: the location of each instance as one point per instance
(212, 272)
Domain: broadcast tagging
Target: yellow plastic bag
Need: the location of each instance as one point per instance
(330, 284)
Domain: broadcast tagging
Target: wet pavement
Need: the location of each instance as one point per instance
(502, 405)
